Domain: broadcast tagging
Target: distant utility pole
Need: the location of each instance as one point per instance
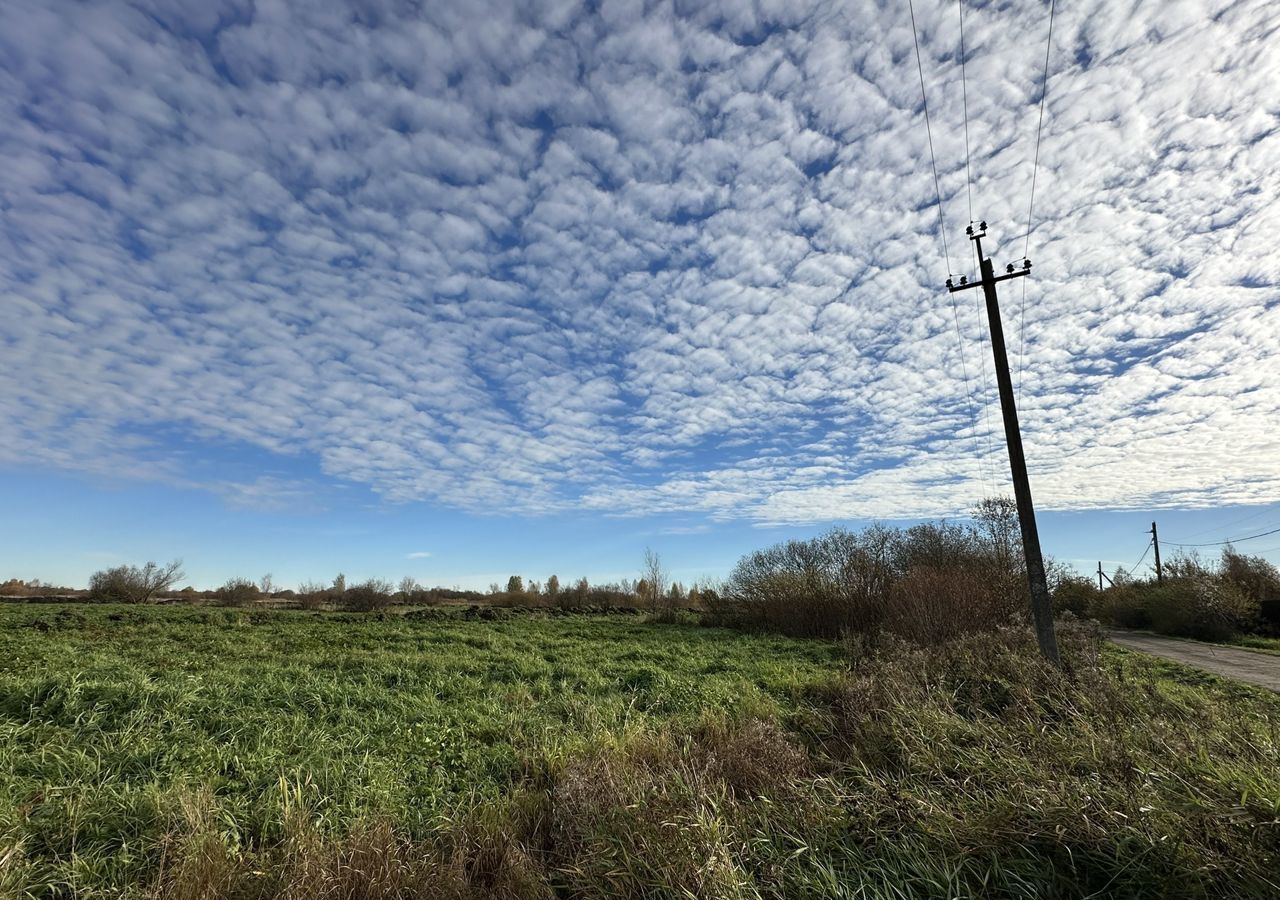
(1041, 607)
(1155, 541)
(1099, 575)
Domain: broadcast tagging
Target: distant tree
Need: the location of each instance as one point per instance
(655, 593)
(515, 585)
(408, 586)
(237, 592)
(339, 584)
(267, 585)
(553, 587)
(368, 596)
(581, 591)
(130, 584)
(312, 594)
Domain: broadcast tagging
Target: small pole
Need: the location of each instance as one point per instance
(1155, 540)
(1099, 575)
(1041, 605)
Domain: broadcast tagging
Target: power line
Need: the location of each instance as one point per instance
(1249, 518)
(942, 231)
(937, 186)
(1141, 558)
(964, 92)
(1231, 541)
(1031, 204)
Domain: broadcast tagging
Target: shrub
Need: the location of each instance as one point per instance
(312, 595)
(130, 584)
(934, 604)
(929, 582)
(368, 596)
(1124, 605)
(1075, 595)
(1257, 579)
(1205, 608)
(238, 592)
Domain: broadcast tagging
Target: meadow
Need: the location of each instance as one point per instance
(195, 752)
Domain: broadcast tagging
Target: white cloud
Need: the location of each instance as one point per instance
(526, 259)
(418, 554)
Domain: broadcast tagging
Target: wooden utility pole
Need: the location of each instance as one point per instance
(1155, 541)
(1099, 575)
(1041, 606)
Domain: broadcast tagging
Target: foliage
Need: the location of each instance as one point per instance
(1076, 595)
(1194, 601)
(368, 596)
(238, 592)
(927, 583)
(215, 753)
(130, 584)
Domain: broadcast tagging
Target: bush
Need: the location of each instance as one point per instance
(238, 592)
(928, 583)
(130, 584)
(368, 596)
(1207, 608)
(312, 595)
(1075, 595)
(1257, 579)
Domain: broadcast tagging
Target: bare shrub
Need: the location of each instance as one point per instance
(653, 589)
(931, 604)
(368, 596)
(821, 587)
(130, 584)
(312, 595)
(238, 592)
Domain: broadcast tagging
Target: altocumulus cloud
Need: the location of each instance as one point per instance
(640, 257)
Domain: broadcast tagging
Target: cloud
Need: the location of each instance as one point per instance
(418, 554)
(535, 258)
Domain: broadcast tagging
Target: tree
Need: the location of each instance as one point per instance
(130, 584)
(237, 592)
(408, 586)
(553, 587)
(515, 585)
(267, 585)
(655, 593)
(339, 584)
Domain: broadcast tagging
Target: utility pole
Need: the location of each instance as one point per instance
(1155, 540)
(1099, 576)
(1041, 607)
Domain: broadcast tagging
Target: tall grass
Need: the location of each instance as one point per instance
(223, 754)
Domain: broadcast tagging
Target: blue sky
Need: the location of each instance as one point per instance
(308, 287)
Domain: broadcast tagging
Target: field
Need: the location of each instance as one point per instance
(185, 752)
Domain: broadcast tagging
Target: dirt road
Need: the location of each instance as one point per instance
(1262, 669)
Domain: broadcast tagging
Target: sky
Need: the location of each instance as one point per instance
(459, 290)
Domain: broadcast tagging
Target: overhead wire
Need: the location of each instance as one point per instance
(968, 186)
(1031, 203)
(1223, 543)
(964, 93)
(942, 231)
(1234, 522)
(1134, 568)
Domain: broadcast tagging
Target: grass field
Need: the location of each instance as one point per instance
(220, 753)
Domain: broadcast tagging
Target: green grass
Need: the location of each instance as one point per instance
(1257, 642)
(181, 752)
(106, 713)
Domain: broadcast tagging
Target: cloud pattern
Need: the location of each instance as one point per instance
(640, 258)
